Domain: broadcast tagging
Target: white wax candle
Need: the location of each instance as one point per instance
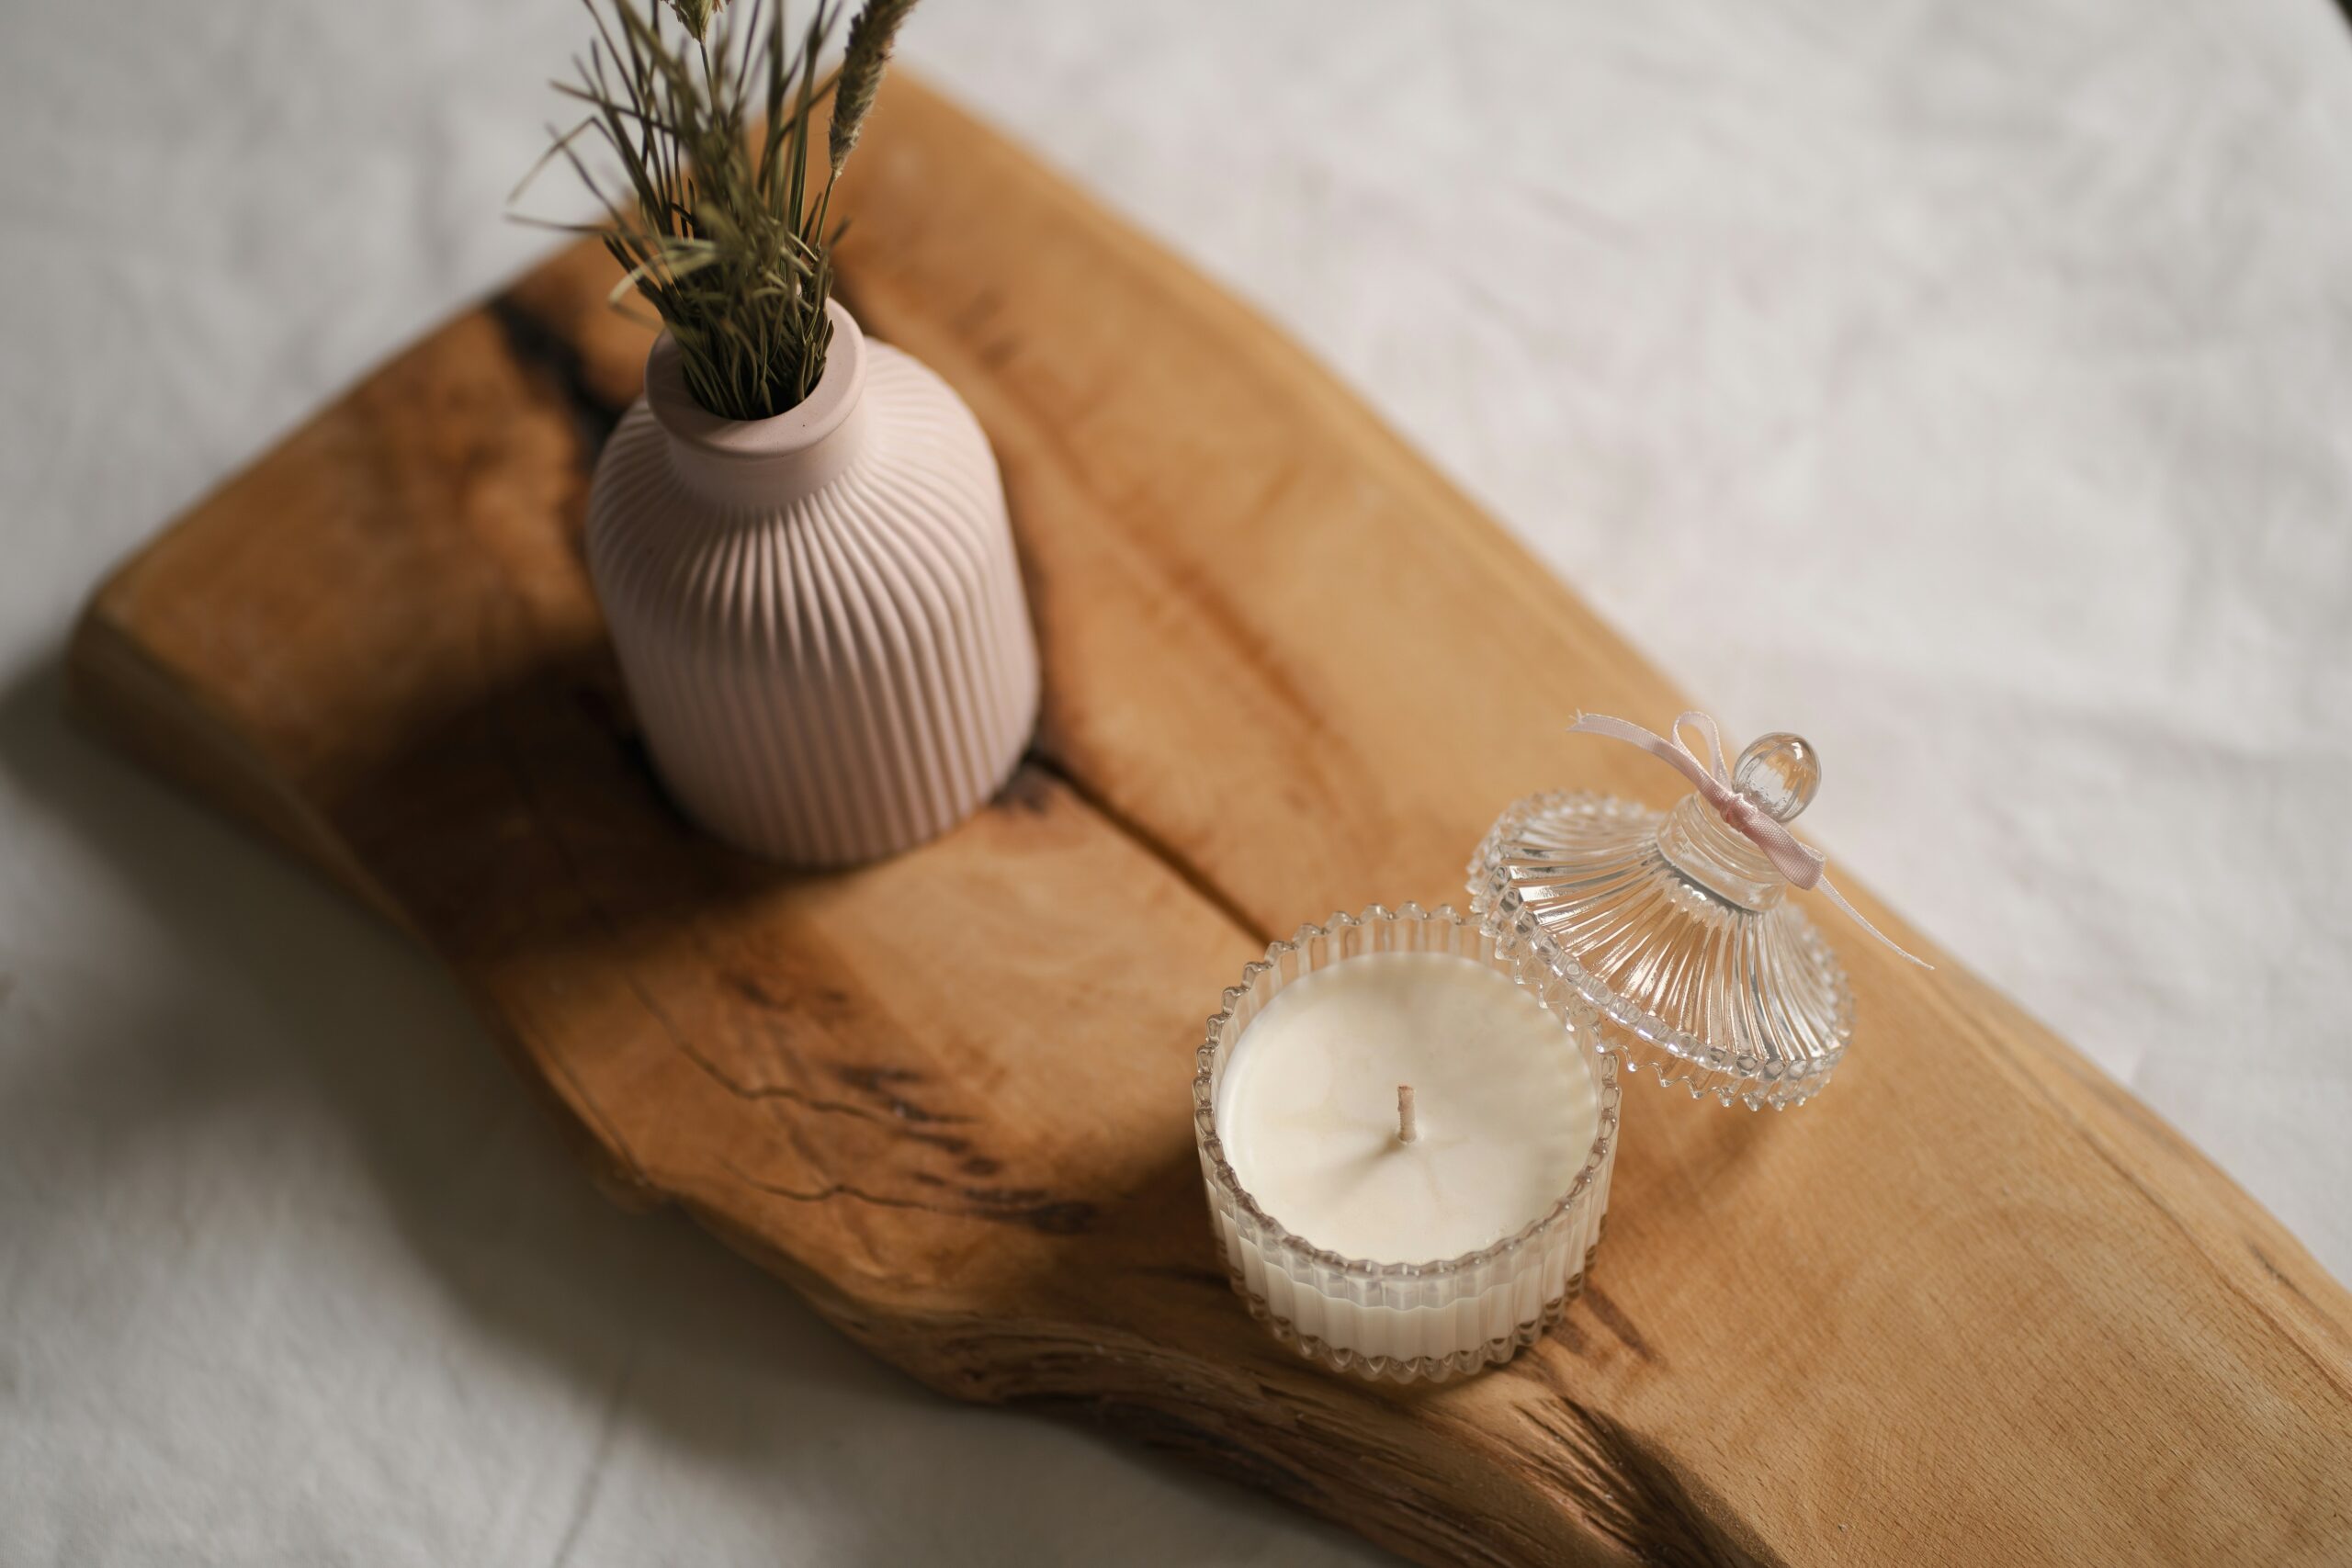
(1505, 1107)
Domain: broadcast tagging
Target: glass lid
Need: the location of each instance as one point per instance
(1677, 926)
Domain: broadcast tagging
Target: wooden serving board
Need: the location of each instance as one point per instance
(1977, 1305)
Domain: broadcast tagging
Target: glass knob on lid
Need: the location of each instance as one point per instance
(1779, 773)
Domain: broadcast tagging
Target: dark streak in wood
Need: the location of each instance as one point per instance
(1629, 1496)
(1063, 1218)
(833, 1190)
(1071, 1217)
(1005, 1194)
(1623, 1488)
(876, 1082)
(946, 1143)
(1034, 1208)
(2273, 1270)
(751, 990)
(557, 361)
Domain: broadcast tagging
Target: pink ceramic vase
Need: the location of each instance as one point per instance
(819, 615)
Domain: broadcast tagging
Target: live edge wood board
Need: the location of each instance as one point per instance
(1976, 1304)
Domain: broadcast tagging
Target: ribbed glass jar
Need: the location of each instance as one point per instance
(1399, 1320)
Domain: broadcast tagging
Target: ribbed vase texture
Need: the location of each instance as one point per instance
(819, 616)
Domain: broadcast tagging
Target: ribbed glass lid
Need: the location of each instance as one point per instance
(1678, 926)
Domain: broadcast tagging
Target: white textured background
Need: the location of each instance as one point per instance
(1969, 387)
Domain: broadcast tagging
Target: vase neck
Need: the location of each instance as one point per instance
(764, 461)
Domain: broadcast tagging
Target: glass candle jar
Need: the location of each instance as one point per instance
(1399, 1318)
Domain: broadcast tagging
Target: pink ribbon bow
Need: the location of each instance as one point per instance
(1798, 862)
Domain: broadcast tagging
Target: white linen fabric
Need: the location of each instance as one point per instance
(1963, 387)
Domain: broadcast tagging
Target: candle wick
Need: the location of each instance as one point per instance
(1406, 1131)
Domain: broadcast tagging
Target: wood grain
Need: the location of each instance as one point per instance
(1975, 1305)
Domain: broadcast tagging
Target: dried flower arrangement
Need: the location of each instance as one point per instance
(722, 227)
